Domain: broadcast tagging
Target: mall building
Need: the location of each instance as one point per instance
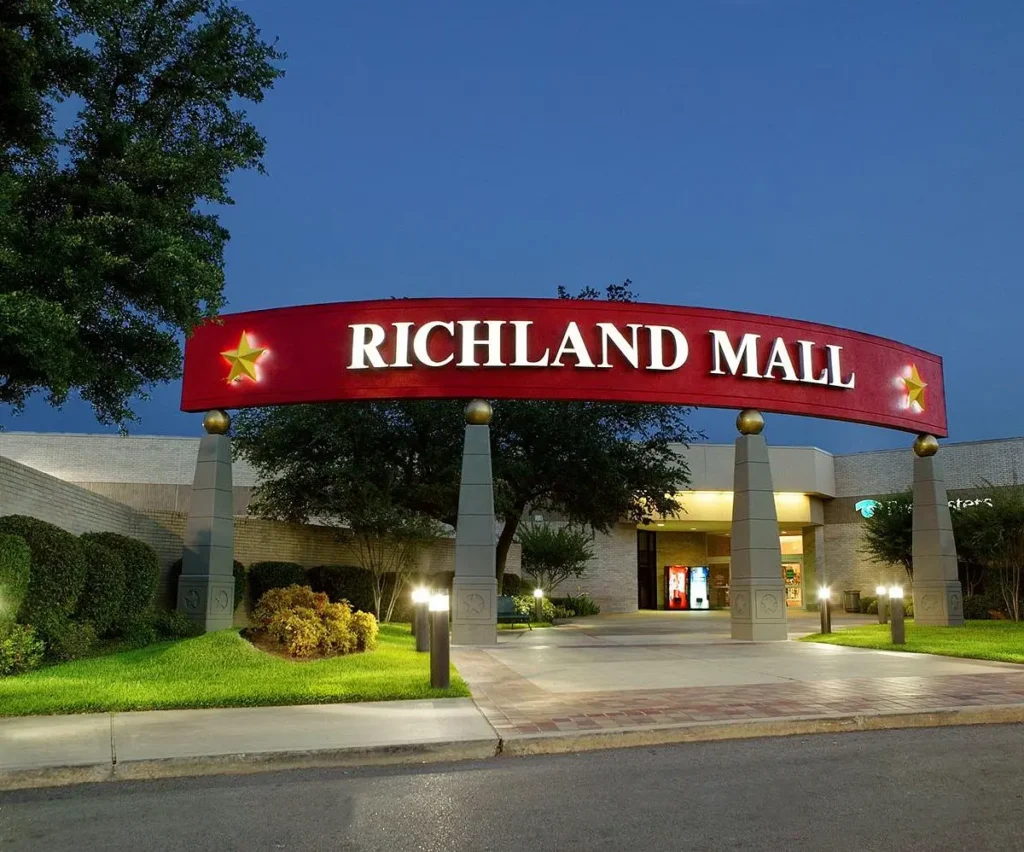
(142, 486)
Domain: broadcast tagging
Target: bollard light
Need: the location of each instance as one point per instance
(881, 592)
(420, 628)
(825, 608)
(440, 648)
(897, 628)
(538, 605)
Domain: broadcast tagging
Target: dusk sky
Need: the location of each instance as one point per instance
(857, 164)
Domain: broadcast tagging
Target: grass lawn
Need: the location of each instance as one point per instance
(982, 640)
(223, 670)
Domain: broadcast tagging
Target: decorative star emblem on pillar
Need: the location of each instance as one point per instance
(915, 386)
(243, 360)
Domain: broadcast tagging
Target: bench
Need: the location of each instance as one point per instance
(507, 612)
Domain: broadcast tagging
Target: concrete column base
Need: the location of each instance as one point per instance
(207, 600)
(474, 611)
(758, 611)
(938, 604)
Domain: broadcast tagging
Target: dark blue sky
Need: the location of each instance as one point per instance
(860, 164)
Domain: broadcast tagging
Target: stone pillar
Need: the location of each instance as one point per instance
(938, 597)
(206, 588)
(474, 617)
(757, 594)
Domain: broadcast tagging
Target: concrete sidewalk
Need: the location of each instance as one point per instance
(49, 750)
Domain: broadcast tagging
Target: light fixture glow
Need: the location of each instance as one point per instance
(538, 593)
(896, 592)
(439, 603)
(421, 595)
(881, 591)
(824, 593)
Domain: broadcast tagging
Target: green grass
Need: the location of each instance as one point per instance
(224, 670)
(521, 625)
(1002, 641)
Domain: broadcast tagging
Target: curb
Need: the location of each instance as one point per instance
(248, 764)
(532, 744)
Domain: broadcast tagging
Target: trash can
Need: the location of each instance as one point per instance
(851, 600)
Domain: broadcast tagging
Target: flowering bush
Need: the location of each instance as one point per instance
(306, 624)
(20, 650)
(525, 605)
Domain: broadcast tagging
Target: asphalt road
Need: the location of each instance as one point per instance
(951, 788)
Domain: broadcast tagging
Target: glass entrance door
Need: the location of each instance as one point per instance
(792, 578)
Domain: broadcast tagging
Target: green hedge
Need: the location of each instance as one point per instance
(141, 573)
(102, 600)
(264, 576)
(512, 585)
(58, 570)
(238, 571)
(344, 582)
(15, 564)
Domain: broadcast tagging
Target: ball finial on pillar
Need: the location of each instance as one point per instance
(217, 422)
(478, 412)
(925, 446)
(750, 422)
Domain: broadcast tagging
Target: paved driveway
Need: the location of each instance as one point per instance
(670, 668)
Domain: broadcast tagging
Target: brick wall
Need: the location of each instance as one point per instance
(610, 579)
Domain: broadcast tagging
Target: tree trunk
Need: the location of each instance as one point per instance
(508, 533)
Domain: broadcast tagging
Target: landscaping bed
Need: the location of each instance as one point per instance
(224, 670)
(1001, 641)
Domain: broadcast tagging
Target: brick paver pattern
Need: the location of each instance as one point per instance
(516, 706)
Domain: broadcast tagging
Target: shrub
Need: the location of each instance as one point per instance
(524, 605)
(264, 576)
(15, 563)
(511, 584)
(141, 632)
(20, 650)
(305, 623)
(102, 599)
(563, 612)
(908, 607)
(175, 625)
(57, 572)
(238, 571)
(141, 573)
(67, 640)
(364, 626)
(866, 604)
(583, 605)
(344, 583)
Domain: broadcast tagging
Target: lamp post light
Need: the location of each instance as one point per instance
(420, 628)
(538, 605)
(825, 608)
(440, 649)
(881, 592)
(899, 636)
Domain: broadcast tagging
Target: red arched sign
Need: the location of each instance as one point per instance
(560, 349)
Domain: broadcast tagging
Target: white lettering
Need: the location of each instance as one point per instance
(402, 344)
(778, 359)
(366, 341)
(573, 344)
(630, 351)
(835, 371)
(807, 365)
(657, 347)
(492, 342)
(747, 353)
(522, 328)
(421, 341)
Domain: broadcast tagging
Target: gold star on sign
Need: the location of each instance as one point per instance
(243, 360)
(915, 387)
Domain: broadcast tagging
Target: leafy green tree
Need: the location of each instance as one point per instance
(994, 536)
(592, 463)
(889, 533)
(121, 122)
(551, 554)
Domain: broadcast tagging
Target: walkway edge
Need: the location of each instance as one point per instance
(482, 749)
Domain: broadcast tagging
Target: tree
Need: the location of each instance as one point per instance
(995, 538)
(889, 533)
(109, 247)
(552, 554)
(593, 463)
